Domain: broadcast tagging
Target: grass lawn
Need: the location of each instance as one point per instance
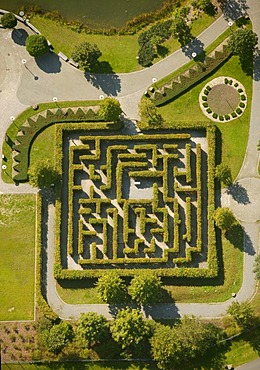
(43, 146)
(17, 256)
(118, 51)
(234, 134)
(111, 365)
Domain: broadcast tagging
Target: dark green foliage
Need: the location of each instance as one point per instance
(149, 113)
(223, 173)
(225, 218)
(8, 20)
(181, 30)
(42, 175)
(110, 109)
(242, 313)
(257, 267)
(146, 288)
(36, 45)
(146, 54)
(92, 328)
(86, 55)
(57, 337)
(161, 29)
(129, 329)
(173, 347)
(111, 288)
(242, 42)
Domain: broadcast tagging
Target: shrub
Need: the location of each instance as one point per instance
(230, 82)
(8, 20)
(227, 117)
(240, 90)
(146, 288)
(239, 111)
(208, 110)
(86, 55)
(224, 218)
(208, 87)
(242, 105)
(214, 115)
(206, 92)
(205, 105)
(236, 84)
(243, 97)
(110, 109)
(111, 288)
(233, 114)
(146, 54)
(36, 45)
(226, 80)
(221, 118)
(204, 98)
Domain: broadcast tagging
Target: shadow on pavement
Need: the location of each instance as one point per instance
(234, 9)
(19, 36)
(238, 193)
(49, 63)
(110, 84)
(248, 245)
(195, 46)
(256, 73)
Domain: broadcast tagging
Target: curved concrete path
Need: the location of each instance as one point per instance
(20, 89)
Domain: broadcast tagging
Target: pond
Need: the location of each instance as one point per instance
(94, 13)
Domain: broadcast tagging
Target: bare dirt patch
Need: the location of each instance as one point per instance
(223, 99)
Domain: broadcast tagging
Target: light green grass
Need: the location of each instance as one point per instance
(43, 146)
(111, 365)
(118, 51)
(234, 133)
(80, 295)
(17, 256)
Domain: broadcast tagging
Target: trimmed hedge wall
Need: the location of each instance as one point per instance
(212, 264)
(191, 76)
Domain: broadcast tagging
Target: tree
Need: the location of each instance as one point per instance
(223, 173)
(225, 218)
(42, 174)
(165, 348)
(149, 113)
(257, 267)
(129, 329)
(111, 288)
(146, 288)
(242, 313)
(8, 20)
(181, 30)
(172, 347)
(36, 45)
(242, 42)
(146, 54)
(86, 55)
(110, 109)
(92, 328)
(57, 337)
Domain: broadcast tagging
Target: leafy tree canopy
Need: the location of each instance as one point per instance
(242, 42)
(110, 109)
(57, 337)
(149, 113)
(36, 45)
(8, 20)
(92, 328)
(223, 173)
(129, 329)
(146, 288)
(86, 55)
(42, 175)
(111, 288)
(242, 313)
(225, 218)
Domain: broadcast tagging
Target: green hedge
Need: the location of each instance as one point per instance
(191, 76)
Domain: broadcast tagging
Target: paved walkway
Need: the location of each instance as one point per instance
(20, 88)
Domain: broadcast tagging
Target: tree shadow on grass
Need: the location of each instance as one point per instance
(236, 237)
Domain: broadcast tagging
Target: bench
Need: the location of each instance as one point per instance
(63, 56)
(73, 63)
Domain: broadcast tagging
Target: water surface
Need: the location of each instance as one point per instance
(95, 13)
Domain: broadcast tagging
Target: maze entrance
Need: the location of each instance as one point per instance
(133, 202)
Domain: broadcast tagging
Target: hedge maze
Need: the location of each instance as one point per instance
(136, 202)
